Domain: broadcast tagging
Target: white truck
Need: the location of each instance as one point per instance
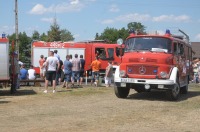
(4, 59)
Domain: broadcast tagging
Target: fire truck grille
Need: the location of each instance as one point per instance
(142, 70)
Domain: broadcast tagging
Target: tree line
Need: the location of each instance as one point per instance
(110, 35)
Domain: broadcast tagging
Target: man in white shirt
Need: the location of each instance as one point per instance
(51, 63)
(31, 73)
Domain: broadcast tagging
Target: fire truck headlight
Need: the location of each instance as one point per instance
(163, 74)
(122, 73)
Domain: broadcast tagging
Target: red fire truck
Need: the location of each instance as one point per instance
(161, 62)
(87, 48)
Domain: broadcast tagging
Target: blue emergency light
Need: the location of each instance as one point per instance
(3, 35)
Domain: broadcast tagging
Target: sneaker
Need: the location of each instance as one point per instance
(45, 91)
(54, 91)
(95, 84)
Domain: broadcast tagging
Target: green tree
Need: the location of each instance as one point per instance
(24, 48)
(54, 34)
(137, 26)
(109, 34)
(43, 37)
(66, 35)
(36, 35)
(123, 33)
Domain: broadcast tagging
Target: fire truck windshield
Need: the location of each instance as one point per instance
(153, 44)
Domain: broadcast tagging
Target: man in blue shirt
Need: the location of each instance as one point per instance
(67, 66)
(23, 73)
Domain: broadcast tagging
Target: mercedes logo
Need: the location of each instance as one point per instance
(142, 70)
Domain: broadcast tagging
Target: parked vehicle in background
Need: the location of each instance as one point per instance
(4, 59)
(162, 62)
(107, 52)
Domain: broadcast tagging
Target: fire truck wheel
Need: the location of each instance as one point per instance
(121, 92)
(184, 90)
(174, 93)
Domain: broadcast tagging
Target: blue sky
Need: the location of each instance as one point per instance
(85, 18)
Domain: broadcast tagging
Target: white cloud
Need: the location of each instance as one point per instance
(76, 36)
(133, 17)
(108, 21)
(146, 17)
(74, 2)
(73, 5)
(50, 20)
(38, 9)
(114, 8)
(197, 37)
(171, 18)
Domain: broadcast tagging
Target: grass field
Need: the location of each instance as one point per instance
(97, 110)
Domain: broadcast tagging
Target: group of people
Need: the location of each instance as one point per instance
(196, 71)
(51, 70)
(27, 74)
(52, 66)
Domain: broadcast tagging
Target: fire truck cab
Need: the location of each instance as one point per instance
(89, 49)
(161, 62)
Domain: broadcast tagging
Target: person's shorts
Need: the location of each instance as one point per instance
(95, 75)
(50, 75)
(68, 77)
(107, 80)
(41, 71)
(82, 73)
(44, 73)
(75, 74)
(58, 74)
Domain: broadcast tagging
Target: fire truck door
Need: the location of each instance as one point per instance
(181, 61)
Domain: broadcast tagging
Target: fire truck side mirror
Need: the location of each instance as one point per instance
(120, 41)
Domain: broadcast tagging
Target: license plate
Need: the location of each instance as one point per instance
(127, 80)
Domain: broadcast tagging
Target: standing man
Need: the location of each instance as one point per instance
(51, 63)
(14, 72)
(82, 61)
(59, 73)
(67, 66)
(76, 64)
(56, 54)
(41, 62)
(109, 74)
(96, 65)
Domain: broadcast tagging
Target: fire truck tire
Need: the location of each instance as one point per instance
(121, 92)
(174, 93)
(184, 90)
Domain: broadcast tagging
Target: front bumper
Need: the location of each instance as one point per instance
(156, 83)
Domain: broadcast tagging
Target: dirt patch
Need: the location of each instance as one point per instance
(98, 109)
